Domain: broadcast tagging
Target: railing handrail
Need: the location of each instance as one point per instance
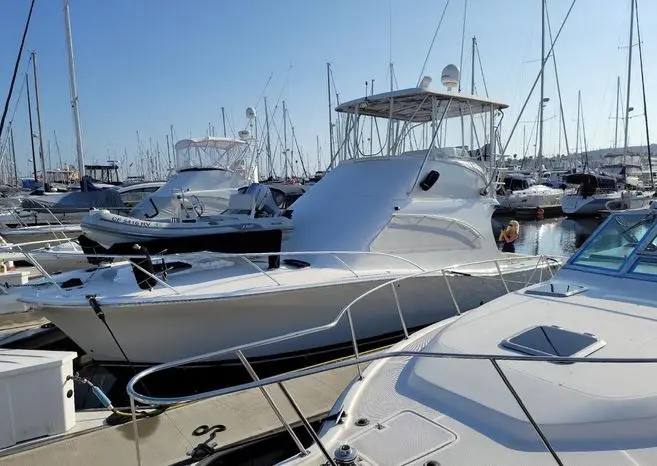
(296, 374)
(289, 336)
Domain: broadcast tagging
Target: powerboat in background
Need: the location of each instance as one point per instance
(597, 194)
(556, 373)
(71, 207)
(417, 209)
(521, 192)
(208, 171)
(249, 216)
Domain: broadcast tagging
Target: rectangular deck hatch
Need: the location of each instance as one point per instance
(551, 340)
(556, 290)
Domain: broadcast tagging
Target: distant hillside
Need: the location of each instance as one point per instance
(599, 153)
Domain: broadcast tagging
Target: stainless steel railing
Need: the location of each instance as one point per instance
(541, 262)
(494, 359)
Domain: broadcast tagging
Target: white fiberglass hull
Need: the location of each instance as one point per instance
(531, 198)
(575, 205)
(158, 332)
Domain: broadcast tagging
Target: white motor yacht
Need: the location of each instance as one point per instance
(556, 373)
(416, 209)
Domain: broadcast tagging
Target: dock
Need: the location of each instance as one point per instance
(165, 439)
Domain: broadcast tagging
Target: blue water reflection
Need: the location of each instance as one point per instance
(555, 236)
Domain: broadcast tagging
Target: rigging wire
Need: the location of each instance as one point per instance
(465, 14)
(18, 60)
(435, 34)
(643, 88)
(544, 61)
(4, 144)
(556, 74)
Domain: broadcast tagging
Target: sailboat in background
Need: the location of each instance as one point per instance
(601, 194)
(532, 196)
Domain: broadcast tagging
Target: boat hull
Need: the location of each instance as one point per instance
(160, 332)
(578, 206)
(109, 230)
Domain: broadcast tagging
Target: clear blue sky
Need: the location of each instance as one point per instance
(143, 65)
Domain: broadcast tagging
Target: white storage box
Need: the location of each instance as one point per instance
(36, 400)
(14, 278)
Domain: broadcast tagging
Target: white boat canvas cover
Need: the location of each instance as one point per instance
(216, 152)
(209, 170)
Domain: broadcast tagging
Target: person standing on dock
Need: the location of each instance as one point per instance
(509, 235)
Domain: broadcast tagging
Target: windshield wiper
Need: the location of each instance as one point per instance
(646, 220)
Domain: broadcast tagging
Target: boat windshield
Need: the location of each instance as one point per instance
(616, 239)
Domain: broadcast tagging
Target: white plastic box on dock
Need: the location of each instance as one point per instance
(36, 400)
(14, 278)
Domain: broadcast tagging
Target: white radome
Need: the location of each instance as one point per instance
(450, 76)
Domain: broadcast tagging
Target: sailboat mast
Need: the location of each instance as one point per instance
(74, 91)
(38, 111)
(269, 160)
(472, 88)
(13, 153)
(330, 113)
(173, 146)
(223, 119)
(540, 117)
(643, 91)
(29, 115)
(629, 80)
(617, 107)
(579, 100)
(285, 140)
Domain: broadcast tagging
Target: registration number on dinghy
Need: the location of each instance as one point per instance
(132, 221)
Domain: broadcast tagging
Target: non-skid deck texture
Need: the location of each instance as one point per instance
(166, 438)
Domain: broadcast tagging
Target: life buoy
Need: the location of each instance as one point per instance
(540, 213)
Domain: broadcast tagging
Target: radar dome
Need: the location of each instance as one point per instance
(244, 134)
(250, 113)
(450, 76)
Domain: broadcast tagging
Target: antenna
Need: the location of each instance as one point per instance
(450, 76)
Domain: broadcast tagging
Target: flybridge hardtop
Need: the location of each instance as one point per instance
(420, 105)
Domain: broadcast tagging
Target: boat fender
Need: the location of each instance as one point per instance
(429, 180)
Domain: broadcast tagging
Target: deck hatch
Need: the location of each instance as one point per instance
(556, 290)
(551, 340)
